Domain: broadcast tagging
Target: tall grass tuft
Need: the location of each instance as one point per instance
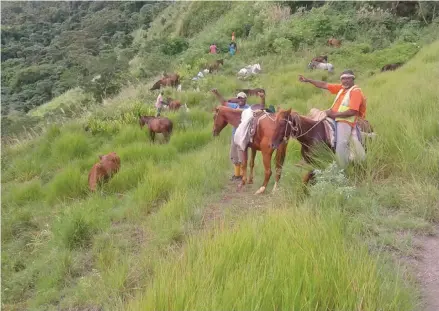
(289, 260)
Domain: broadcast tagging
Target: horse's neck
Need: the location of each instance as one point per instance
(233, 118)
(305, 125)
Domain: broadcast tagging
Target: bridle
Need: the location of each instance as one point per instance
(296, 128)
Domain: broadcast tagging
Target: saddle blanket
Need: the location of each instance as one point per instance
(247, 128)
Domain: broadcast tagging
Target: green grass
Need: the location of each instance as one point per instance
(136, 243)
(288, 260)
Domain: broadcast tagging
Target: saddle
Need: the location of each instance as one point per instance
(258, 115)
(330, 129)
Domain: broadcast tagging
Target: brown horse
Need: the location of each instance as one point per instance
(393, 66)
(261, 142)
(107, 166)
(251, 92)
(157, 125)
(215, 65)
(168, 80)
(308, 132)
(320, 59)
(334, 42)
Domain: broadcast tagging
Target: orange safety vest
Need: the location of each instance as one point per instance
(344, 106)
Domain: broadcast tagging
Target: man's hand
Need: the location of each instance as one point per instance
(330, 114)
(303, 79)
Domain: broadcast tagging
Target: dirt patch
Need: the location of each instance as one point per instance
(427, 271)
(232, 205)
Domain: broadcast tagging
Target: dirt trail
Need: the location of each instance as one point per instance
(427, 271)
(232, 205)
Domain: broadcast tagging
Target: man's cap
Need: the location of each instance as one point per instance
(241, 95)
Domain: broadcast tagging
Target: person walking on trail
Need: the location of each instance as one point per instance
(213, 48)
(159, 103)
(240, 102)
(233, 36)
(348, 106)
(232, 48)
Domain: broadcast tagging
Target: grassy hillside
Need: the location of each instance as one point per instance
(140, 242)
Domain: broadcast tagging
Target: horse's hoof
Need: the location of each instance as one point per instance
(250, 181)
(261, 190)
(274, 188)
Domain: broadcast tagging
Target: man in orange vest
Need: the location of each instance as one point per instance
(348, 106)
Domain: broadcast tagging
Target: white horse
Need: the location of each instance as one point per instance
(324, 66)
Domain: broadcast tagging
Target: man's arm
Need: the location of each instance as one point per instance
(319, 84)
(219, 97)
(354, 105)
(344, 114)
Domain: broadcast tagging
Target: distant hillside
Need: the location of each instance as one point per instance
(50, 47)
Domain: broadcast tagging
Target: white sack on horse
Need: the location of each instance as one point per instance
(242, 134)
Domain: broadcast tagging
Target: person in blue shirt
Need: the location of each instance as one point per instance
(240, 102)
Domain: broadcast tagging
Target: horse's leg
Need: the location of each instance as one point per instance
(266, 155)
(280, 158)
(252, 165)
(243, 156)
(151, 135)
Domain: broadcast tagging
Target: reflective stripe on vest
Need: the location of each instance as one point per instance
(344, 106)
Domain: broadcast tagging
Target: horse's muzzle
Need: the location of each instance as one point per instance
(274, 145)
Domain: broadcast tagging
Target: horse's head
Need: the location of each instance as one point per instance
(312, 64)
(156, 85)
(219, 121)
(220, 61)
(282, 130)
(144, 120)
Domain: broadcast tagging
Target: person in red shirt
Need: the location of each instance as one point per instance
(212, 48)
(348, 106)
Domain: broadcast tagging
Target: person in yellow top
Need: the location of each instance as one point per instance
(348, 106)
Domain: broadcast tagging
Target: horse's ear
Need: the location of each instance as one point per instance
(289, 111)
(100, 157)
(278, 108)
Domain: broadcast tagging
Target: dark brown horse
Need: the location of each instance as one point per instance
(157, 125)
(168, 80)
(215, 65)
(308, 132)
(320, 59)
(393, 66)
(251, 92)
(261, 142)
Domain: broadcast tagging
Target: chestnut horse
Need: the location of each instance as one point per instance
(168, 80)
(261, 142)
(320, 59)
(157, 125)
(309, 133)
(334, 42)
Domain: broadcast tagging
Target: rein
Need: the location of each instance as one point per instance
(296, 128)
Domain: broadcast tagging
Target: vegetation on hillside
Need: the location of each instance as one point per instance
(139, 242)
